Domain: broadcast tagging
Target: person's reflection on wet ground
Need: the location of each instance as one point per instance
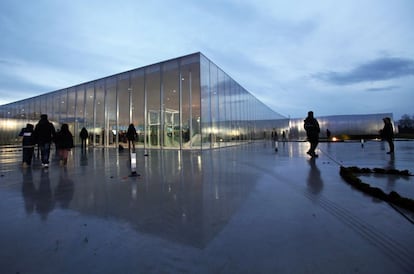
(83, 158)
(391, 178)
(64, 190)
(44, 201)
(28, 191)
(315, 182)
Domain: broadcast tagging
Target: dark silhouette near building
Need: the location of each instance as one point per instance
(387, 134)
(28, 144)
(328, 134)
(275, 139)
(312, 129)
(64, 143)
(83, 135)
(44, 134)
(132, 137)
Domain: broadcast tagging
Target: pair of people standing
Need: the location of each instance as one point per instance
(44, 134)
(312, 131)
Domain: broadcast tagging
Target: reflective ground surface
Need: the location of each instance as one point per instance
(245, 209)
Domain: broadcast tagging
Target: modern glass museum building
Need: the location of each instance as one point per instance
(183, 103)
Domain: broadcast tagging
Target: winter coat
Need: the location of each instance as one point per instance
(131, 133)
(312, 129)
(44, 131)
(64, 140)
(28, 136)
(388, 132)
(83, 134)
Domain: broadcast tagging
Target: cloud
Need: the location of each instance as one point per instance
(377, 70)
(383, 88)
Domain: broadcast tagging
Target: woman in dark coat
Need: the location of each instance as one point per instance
(64, 143)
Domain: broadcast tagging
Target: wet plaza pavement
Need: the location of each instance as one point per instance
(242, 209)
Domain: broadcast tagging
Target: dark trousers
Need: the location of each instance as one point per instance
(28, 155)
(131, 143)
(44, 153)
(391, 144)
(313, 139)
(83, 143)
(313, 145)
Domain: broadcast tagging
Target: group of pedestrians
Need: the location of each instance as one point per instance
(43, 134)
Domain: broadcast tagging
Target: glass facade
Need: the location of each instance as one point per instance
(183, 103)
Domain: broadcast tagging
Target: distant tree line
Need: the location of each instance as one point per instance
(406, 124)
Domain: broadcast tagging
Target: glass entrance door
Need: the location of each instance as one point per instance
(172, 128)
(153, 130)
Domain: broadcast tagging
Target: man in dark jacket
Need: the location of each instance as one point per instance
(44, 134)
(312, 131)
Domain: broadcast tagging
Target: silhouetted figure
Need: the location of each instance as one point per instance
(275, 139)
(328, 134)
(132, 137)
(83, 135)
(387, 134)
(44, 134)
(283, 136)
(312, 129)
(64, 143)
(28, 144)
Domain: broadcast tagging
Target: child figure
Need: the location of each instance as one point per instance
(28, 144)
(64, 143)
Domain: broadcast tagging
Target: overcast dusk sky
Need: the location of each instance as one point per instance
(332, 57)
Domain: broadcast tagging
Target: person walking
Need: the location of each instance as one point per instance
(44, 134)
(132, 137)
(312, 129)
(275, 139)
(28, 144)
(64, 143)
(387, 134)
(83, 135)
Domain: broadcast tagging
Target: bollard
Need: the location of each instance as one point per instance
(362, 142)
(276, 145)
